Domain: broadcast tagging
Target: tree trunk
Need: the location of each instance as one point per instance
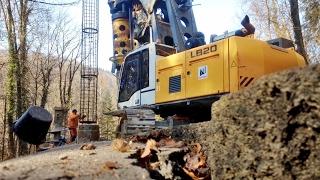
(61, 94)
(10, 81)
(22, 92)
(295, 17)
(10, 93)
(46, 81)
(4, 128)
(45, 92)
(35, 100)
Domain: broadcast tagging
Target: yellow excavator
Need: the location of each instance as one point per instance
(169, 76)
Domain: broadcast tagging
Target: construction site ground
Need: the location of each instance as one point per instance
(69, 162)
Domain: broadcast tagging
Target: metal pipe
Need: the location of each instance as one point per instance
(130, 28)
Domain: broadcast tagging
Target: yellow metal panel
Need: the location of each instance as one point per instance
(250, 60)
(226, 63)
(277, 58)
(257, 58)
(204, 70)
(233, 65)
(301, 61)
(170, 66)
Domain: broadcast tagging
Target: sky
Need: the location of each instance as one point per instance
(212, 17)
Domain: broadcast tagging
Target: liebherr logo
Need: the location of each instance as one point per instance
(203, 72)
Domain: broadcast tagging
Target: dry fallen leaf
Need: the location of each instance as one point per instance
(109, 165)
(195, 158)
(191, 174)
(120, 145)
(154, 166)
(141, 139)
(68, 174)
(166, 142)
(204, 172)
(170, 143)
(193, 162)
(196, 148)
(87, 147)
(151, 144)
(63, 157)
(5, 168)
(157, 135)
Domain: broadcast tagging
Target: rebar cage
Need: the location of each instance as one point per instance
(89, 61)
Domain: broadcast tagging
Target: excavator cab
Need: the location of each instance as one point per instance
(137, 79)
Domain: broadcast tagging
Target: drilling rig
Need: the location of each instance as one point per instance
(142, 22)
(167, 71)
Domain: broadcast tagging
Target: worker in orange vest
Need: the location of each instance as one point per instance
(73, 121)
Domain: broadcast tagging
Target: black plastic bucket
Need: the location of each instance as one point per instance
(33, 125)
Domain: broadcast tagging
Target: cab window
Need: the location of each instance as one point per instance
(135, 75)
(145, 69)
(130, 78)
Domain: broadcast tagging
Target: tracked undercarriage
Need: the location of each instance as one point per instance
(143, 121)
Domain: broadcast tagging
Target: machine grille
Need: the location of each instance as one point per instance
(175, 84)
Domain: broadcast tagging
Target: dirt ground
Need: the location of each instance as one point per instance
(69, 162)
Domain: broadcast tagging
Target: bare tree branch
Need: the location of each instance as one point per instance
(55, 4)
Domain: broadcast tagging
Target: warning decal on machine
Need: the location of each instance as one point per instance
(234, 64)
(203, 72)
